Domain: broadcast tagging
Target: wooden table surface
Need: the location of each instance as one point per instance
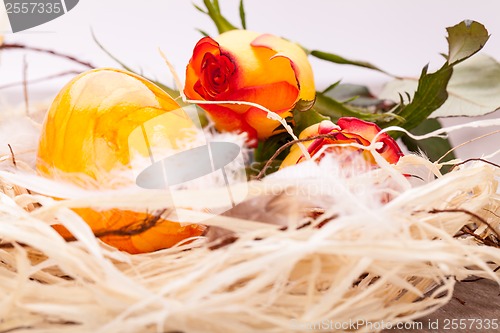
(479, 300)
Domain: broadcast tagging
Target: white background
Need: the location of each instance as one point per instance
(397, 35)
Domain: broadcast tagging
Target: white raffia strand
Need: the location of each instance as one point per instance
(370, 261)
(380, 254)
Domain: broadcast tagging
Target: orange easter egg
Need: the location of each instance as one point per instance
(87, 131)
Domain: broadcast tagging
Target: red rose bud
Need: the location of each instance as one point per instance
(348, 130)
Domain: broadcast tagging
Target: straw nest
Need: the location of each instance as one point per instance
(310, 244)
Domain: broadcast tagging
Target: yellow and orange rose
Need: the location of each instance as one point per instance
(241, 65)
(348, 130)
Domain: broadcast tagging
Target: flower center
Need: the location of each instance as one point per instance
(216, 74)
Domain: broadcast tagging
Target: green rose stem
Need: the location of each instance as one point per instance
(222, 24)
(337, 59)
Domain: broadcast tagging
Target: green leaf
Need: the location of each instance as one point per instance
(216, 5)
(358, 96)
(464, 40)
(430, 95)
(303, 105)
(343, 61)
(200, 9)
(334, 109)
(266, 149)
(431, 91)
(172, 92)
(109, 54)
(434, 148)
(331, 86)
(214, 12)
(474, 88)
(242, 15)
(348, 91)
(203, 32)
(303, 116)
(304, 119)
(202, 116)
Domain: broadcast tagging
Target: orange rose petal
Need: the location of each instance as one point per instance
(193, 70)
(294, 156)
(257, 118)
(241, 65)
(349, 130)
(274, 96)
(308, 132)
(326, 126)
(390, 150)
(354, 125)
(278, 97)
(340, 138)
(256, 65)
(298, 60)
(191, 82)
(204, 45)
(227, 120)
(346, 137)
